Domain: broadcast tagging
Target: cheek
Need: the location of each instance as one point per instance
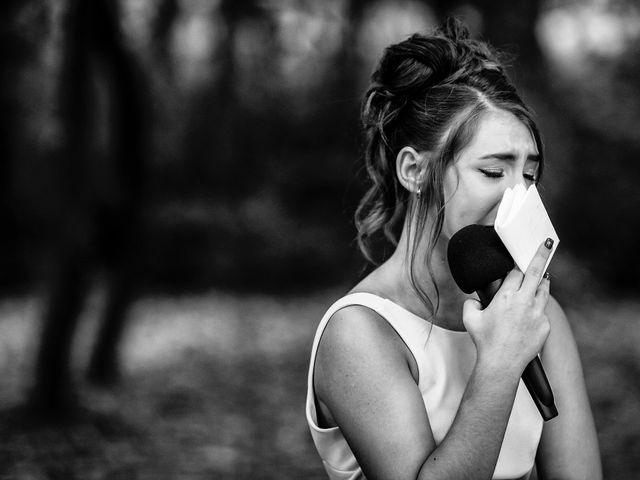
(458, 213)
(470, 204)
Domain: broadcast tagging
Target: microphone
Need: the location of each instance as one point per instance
(479, 261)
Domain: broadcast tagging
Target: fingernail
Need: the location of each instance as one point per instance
(547, 276)
(549, 243)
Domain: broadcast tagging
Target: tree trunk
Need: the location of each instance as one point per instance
(97, 229)
(68, 284)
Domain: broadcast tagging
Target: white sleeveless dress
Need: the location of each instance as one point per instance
(445, 359)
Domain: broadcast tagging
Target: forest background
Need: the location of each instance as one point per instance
(178, 181)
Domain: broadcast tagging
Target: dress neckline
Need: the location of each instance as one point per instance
(409, 312)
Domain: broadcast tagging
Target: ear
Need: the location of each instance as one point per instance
(410, 167)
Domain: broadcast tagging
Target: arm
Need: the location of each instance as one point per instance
(372, 395)
(364, 379)
(569, 445)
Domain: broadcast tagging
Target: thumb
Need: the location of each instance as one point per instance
(471, 313)
(471, 306)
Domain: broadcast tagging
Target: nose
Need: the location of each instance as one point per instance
(518, 180)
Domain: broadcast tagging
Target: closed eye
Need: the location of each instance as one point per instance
(492, 173)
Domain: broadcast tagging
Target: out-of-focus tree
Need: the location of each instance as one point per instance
(101, 166)
(21, 23)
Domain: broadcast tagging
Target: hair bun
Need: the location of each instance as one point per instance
(421, 62)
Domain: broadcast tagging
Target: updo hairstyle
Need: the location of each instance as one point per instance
(428, 93)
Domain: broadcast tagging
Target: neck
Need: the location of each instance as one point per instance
(437, 284)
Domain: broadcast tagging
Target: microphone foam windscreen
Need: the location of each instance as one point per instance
(477, 257)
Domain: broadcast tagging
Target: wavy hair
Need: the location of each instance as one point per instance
(427, 92)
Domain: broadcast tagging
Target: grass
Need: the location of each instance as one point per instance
(214, 387)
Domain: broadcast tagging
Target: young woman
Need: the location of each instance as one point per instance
(410, 378)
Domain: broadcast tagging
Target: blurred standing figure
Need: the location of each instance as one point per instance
(409, 377)
(102, 177)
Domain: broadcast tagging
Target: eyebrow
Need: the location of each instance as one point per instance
(510, 156)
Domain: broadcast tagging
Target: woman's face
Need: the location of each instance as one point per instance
(501, 154)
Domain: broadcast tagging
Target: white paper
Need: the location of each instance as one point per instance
(522, 223)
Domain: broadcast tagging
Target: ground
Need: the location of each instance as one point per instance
(214, 387)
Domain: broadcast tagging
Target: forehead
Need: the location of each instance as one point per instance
(499, 131)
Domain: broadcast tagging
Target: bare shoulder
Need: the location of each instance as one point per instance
(357, 342)
(356, 333)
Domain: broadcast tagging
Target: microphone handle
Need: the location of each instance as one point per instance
(536, 382)
(533, 375)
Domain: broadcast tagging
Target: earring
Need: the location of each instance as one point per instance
(419, 193)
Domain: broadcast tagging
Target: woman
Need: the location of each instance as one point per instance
(409, 377)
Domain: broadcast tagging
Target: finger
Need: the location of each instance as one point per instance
(534, 272)
(513, 280)
(542, 293)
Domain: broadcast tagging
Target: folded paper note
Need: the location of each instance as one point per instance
(523, 224)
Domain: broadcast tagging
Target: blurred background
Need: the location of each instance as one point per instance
(178, 180)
